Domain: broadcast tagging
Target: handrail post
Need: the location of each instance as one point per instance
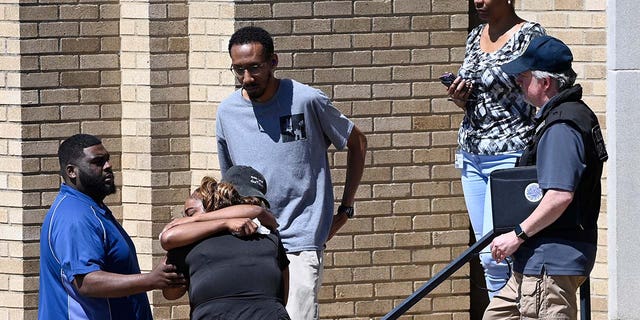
(585, 300)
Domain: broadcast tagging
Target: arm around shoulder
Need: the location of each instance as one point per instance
(204, 225)
(243, 211)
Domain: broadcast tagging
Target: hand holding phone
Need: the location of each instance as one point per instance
(447, 79)
(459, 95)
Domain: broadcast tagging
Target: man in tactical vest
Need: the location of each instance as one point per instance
(554, 249)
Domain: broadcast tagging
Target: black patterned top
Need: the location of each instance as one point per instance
(497, 119)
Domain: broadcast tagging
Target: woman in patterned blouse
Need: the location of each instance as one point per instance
(498, 121)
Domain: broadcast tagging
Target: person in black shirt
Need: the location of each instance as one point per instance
(240, 272)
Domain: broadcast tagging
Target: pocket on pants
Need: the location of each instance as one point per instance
(530, 297)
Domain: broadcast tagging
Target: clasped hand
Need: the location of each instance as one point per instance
(238, 226)
(241, 226)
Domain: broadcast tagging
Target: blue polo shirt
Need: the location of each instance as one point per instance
(80, 236)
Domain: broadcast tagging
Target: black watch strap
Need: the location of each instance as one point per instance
(347, 210)
(520, 233)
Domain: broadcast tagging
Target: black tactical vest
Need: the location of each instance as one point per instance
(579, 221)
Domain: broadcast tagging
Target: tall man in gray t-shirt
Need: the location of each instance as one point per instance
(283, 129)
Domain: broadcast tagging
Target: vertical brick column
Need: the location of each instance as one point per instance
(136, 169)
(211, 23)
(58, 77)
(18, 267)
(155, 132)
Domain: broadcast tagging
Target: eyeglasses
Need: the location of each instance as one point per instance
(254, 70)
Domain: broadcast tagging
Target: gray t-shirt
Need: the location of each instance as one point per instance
(286, 139)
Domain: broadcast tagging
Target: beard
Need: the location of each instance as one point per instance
(255, 90)
(97, 186)
(254, 94)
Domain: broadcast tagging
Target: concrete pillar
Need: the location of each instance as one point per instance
(623, 132)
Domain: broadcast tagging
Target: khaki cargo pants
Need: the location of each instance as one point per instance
(536, 297)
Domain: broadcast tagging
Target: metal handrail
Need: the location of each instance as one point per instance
(440, 277)
(466, 256)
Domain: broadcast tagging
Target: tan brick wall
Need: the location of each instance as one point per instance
(60, 76)
(13, 285)
(148, 76)
(581, 25)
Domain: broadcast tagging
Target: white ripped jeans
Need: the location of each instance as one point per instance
(305, 278)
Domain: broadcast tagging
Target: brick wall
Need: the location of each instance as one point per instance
(60, 76)
(13, 283)
(581, 25)
(147, 77)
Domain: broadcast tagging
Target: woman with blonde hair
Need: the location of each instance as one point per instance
(237, 269)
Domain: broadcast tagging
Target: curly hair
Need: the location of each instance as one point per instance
(217, 195)
(252, 34)
(227, 195)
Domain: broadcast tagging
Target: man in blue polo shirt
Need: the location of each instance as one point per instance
(88, 264)
(554, 249)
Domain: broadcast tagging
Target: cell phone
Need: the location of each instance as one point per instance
(447, 78)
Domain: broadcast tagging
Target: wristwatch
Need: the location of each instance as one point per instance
(347, 210)
(520, 233)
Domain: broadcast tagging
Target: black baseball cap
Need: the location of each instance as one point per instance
(544, 53)
(247, 181)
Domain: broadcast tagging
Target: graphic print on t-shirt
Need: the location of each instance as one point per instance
(292, 128)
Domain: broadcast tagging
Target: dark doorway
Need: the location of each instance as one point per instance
(478, 296)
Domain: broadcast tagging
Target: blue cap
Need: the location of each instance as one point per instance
(543, 54)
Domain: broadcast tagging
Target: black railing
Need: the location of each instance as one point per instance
(585, 301)
(440, 277)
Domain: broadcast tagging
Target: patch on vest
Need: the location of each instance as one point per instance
(533, 193)
(598, 142)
